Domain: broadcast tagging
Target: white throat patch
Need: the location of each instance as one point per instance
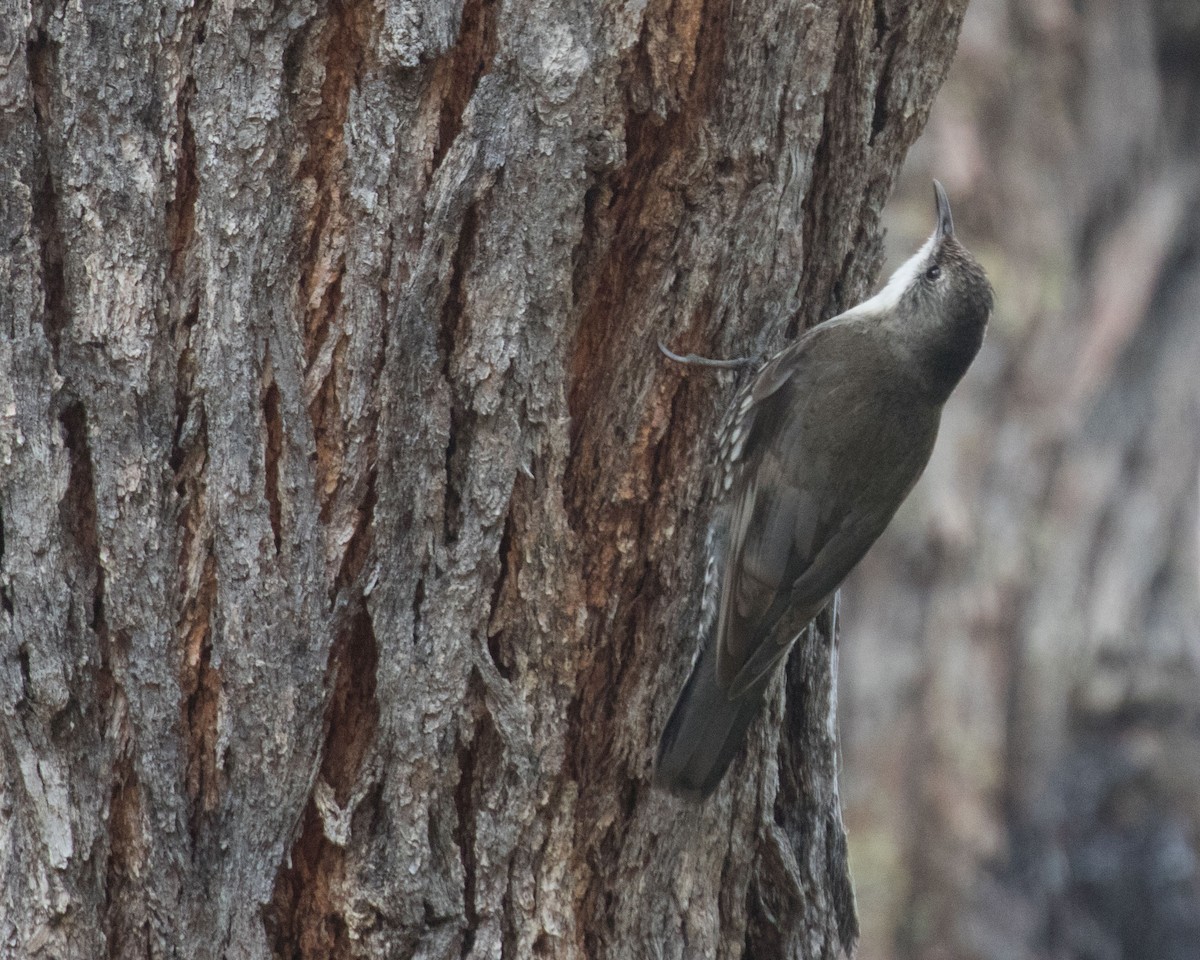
(887, 298)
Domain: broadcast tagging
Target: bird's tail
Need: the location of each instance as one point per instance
(705, 731)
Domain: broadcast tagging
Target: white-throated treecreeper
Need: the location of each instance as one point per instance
(818, 450)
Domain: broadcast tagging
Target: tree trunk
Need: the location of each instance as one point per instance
(349, 518)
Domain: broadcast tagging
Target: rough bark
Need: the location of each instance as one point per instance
(1023, 746)
(349, 518)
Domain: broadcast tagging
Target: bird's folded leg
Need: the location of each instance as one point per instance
(692, 360)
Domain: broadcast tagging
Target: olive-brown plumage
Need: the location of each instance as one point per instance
(819, 449)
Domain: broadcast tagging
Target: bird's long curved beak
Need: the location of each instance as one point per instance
(945, 222)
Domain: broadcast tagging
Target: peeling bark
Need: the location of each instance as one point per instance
(349, 521)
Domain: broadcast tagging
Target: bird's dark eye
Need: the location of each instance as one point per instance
(933, 272)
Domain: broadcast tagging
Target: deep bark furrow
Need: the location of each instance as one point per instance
(353, 712)
(502, 591)
(302, 921)
(124, 915)
(6, 598)
(200, 685)
(272, 419)
(55, 312)
(465, 838)
(78, 509)
(457, 73)
(181, 208)
(304, 917)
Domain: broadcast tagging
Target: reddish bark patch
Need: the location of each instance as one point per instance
(615, 503)
(304, 919)
(344, 46)
(645, 202)
(124, 929)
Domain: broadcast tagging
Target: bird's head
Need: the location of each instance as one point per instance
(938, 301)
(947, 282)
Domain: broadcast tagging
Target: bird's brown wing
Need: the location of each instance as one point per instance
(823, 471)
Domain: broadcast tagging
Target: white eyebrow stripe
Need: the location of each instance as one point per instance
(887, 298)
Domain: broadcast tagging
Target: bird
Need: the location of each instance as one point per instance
(819, 448)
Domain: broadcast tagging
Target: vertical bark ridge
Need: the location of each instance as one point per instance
(358, 548)
(838, 263)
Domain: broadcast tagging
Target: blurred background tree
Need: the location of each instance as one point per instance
(1019, 697)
